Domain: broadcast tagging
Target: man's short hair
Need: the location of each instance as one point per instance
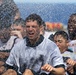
(19, 21)
(34, 17)
(63, 34)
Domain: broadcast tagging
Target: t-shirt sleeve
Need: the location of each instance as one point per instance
(13, 59)
(57, 57)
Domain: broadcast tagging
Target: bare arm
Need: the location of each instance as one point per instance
(56, 71)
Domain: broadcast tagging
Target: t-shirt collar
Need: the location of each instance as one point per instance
(37, 43)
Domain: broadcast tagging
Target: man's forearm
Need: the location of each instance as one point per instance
(58, 71)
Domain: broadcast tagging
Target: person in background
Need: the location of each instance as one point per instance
(35, 55)
(61, 39)
(72, 34)
(18, 28)
(72, 27)
(9, 37)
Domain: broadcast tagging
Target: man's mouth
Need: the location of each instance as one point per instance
(71, 29)
(31, 34)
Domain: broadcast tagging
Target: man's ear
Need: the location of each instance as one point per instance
(42, 29)
(68, 43)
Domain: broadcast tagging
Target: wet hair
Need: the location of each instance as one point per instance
(43, 23)
(19, 21)
(71, 17)
(34, 17)
(74, 14)
(62, 33)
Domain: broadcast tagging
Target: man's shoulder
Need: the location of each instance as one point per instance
(49, 41)
(21, 42)
(19, 46)
(72, 41)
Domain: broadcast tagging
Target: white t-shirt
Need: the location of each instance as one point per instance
(35, 57)
(9, 44)
(73, 47)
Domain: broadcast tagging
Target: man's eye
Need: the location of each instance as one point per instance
(27, 26)
(18, 29)
(13, 29)
(60, 41)
(34, 26)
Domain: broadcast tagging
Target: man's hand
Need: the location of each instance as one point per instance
(70, 62)
(70, 69)
(56, 71)
(70, 66)
(47, 68)
(16, 33)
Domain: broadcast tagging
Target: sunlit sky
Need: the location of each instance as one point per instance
(48, 1)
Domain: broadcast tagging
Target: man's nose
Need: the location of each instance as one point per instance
(57, 43)
(30, 28)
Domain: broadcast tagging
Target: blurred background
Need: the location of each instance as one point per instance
(55, 13)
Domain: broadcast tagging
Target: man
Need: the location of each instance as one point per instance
(72, 34)
(72, 27)
(35, 55)
(18, 28)
(9, 38)
(61, 39)
(12, 35)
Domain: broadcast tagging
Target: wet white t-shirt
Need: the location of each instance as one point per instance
(73, 47)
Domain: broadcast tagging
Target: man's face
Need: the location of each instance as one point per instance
(61, 43)
(18, 28)
(32, 30)
(72, 26)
